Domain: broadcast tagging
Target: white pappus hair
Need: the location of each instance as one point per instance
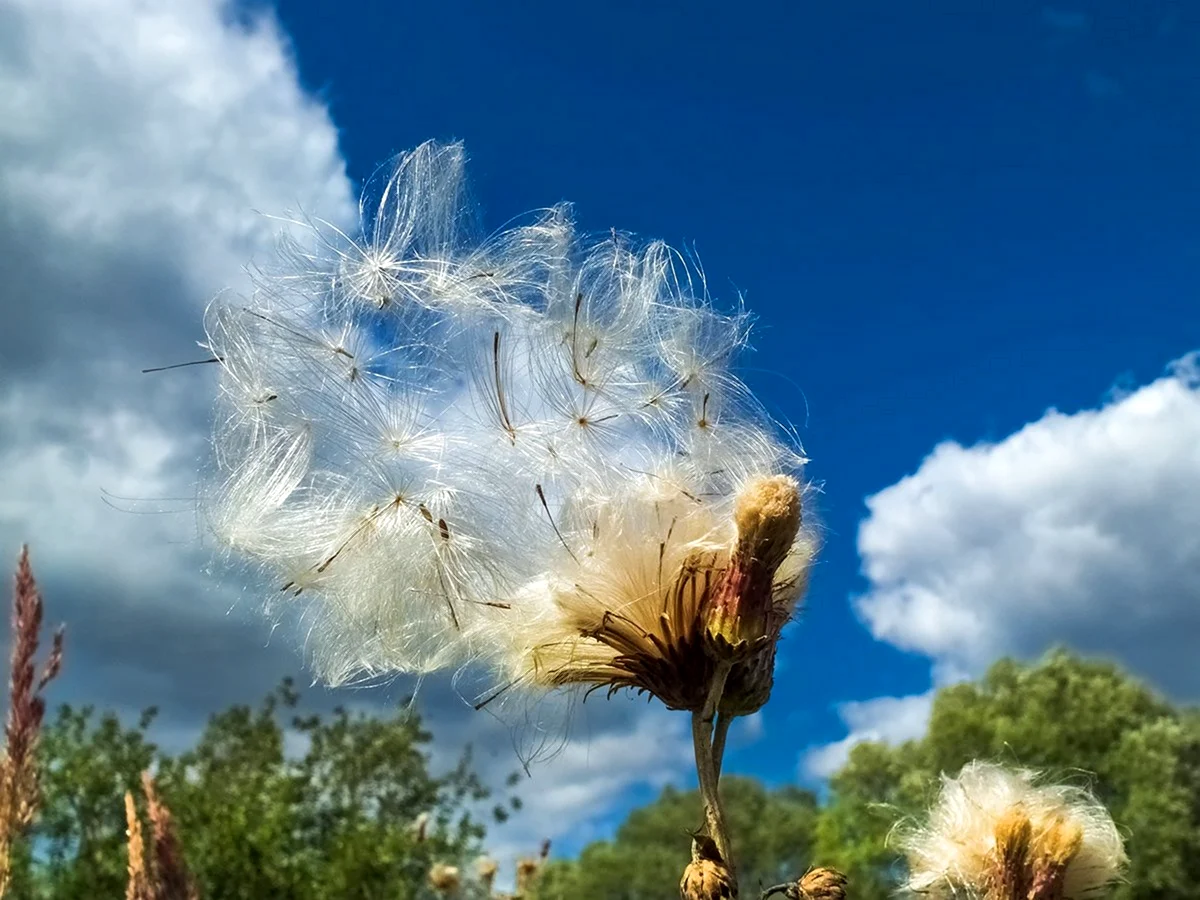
(423, 437)
(968, 837)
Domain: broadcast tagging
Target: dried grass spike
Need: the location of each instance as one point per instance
(172, 880)
(19, 789)
(138, 887)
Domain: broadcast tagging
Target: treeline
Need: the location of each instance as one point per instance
(1082, 722)
(271, 802)
(352, 812)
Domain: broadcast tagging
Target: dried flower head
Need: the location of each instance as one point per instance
(995, 833)
(707, 877)
(527, 451)
(818, 883)
(445, 879)
(527, 871)
(138, 885)
(822, 883)
(486, 868)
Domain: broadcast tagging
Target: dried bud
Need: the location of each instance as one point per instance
(486, 868)
(819, 883)
(741, 617)
(706, 876)
(445, 879)
(1010, 876)
(822, 884)
(1054, 849)
(527, 870)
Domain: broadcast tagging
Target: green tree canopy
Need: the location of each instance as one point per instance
(1078, 721)
(772, 830)
(332, 818)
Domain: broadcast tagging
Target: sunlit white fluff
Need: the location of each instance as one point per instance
(954, 854)
(445, 448)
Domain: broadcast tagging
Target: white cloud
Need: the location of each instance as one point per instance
(892, 720)
(1081, 529)
(137, 142)
(589, 779)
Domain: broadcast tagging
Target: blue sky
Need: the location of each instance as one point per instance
(947, 218)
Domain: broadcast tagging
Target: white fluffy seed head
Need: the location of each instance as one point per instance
(955, 853)
(436, 444)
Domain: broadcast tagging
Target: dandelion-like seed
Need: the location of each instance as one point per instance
(997, 834)
(527, 453)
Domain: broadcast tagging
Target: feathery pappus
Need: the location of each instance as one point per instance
(526, 451)
(1003, 834)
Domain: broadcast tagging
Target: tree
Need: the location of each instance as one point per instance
(1077, 720)
(87, 765)
(269, 803)
(772, 831)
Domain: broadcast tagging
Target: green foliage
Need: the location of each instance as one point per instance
(1079, 721)
(321, 810)
(772, 829)
(274, 804)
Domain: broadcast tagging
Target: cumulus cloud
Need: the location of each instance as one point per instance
(1081, 529)
(892, 720)
(137, 143)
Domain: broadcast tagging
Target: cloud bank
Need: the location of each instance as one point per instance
(137, 143)
(1081, 529)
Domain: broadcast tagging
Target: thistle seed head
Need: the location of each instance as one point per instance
(997, 834)
(486, 868)
(526, 451)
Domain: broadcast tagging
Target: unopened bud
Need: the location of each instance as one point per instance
(822, 884)
(706, 876)
(741, 617)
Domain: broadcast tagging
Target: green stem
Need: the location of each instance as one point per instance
(707, 768)
(724, 720)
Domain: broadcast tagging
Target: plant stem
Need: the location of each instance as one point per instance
(719, 735)
(707, 766)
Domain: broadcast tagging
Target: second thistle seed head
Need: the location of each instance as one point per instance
(997, 834)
